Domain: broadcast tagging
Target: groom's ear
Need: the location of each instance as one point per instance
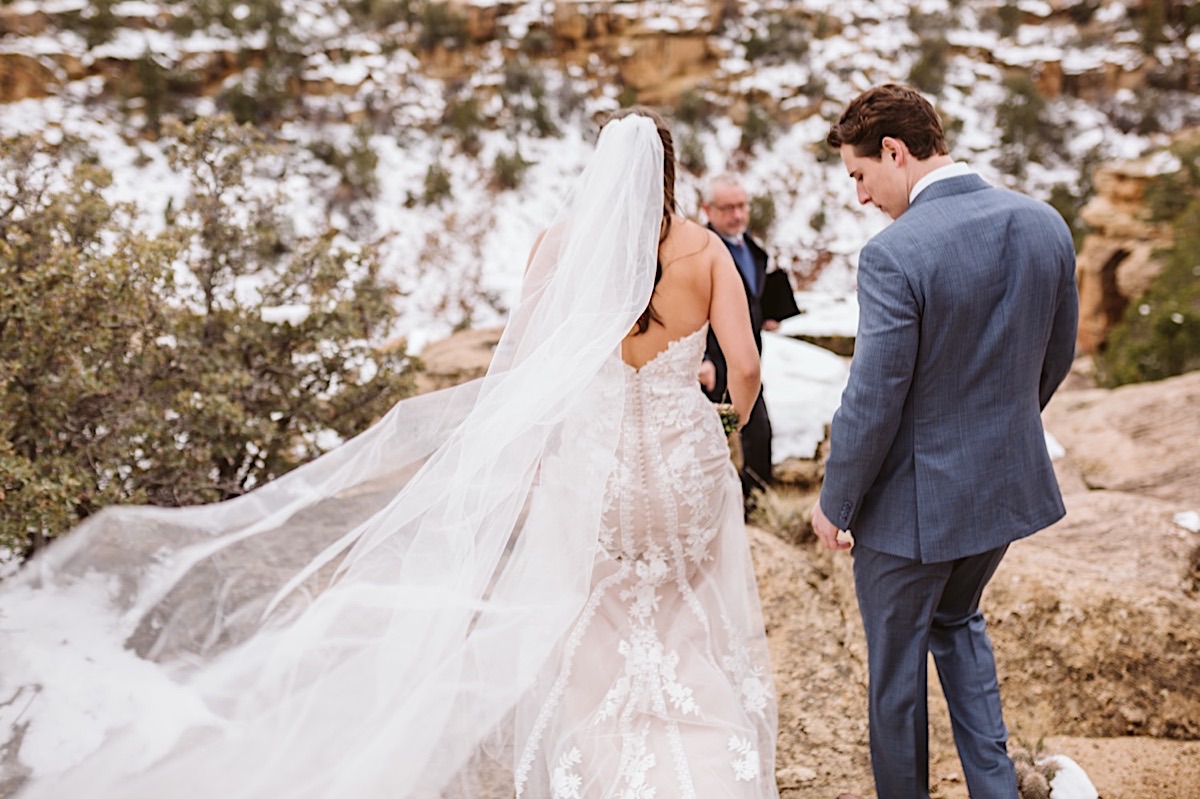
(893, 150)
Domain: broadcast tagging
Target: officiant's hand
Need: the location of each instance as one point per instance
(826, 530)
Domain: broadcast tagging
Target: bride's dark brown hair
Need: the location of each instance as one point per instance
(668, 143)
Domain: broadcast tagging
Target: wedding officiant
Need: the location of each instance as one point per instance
(769, 295)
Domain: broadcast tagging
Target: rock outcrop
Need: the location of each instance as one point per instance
(1140, 439)
(23, 77)
(461, 357)
(1118, 261)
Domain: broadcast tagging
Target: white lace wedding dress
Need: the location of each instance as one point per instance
(663, 688)
(537, 579)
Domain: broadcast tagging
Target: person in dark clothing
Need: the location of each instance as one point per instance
(727, 207)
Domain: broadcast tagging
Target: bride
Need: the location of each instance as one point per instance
(538, 581)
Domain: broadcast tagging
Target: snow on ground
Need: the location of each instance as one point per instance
(1188, 520)
(802, 384)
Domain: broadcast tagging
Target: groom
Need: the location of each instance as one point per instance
(937, 457)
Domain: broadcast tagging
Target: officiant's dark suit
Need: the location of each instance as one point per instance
(769, 296)
(938, 460)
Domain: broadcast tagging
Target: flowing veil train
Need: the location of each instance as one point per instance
(370, 624)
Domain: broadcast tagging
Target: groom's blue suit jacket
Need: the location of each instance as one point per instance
(968, 314)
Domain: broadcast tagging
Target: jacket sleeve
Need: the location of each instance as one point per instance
(881, 372)
(713, 353)
(1060, 350)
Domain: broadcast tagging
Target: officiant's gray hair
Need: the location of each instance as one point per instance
(720, 181)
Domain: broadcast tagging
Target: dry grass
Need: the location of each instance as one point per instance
(785, 511)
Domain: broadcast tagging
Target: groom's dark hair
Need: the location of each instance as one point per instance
(889, 110)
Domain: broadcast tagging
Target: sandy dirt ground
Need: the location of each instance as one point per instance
(819, 658)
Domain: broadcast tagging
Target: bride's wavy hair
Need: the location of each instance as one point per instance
(668, 142)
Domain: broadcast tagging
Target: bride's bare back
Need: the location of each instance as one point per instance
(700, 284)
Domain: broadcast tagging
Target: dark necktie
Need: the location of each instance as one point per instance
(745, 263)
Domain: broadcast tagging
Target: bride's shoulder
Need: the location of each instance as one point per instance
(691, 237)
(692, 247)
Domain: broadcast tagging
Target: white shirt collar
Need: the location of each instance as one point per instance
(952, 170)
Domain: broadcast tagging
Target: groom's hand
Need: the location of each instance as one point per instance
(826, 530)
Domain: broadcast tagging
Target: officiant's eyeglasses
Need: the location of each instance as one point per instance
(729, 208)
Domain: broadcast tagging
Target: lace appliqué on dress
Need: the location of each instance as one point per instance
(657, 684)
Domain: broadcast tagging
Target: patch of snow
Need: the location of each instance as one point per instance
(285, 314)
(1053, 447)
(1070, 780)
(802, 386)
(1188, 520)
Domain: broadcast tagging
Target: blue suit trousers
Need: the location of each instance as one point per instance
(910, 609)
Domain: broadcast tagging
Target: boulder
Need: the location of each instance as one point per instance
(1117, 262)
(461, 357)
(1095, 626)
(647, 60)
(1140, 438)
(23, 76)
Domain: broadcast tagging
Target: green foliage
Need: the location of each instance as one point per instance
(440, 24)
(628, 97)
(524, 95)
(159, 90)
(757, 128)
(1151, 20)
(540, 119)
(1009, 16)
(1027, 132)
(762, 214)
(930, 25)
(1169, 195)
(508, 170)
(96, 22)
(1159, 335)
(521, 78)
(382, 13)
(1020, 114)
(437, 184)
(1145, 113)
(537, 42)
(818, 220)
(1081, 13)
(138, 368)
(1166, 197)
(1070, 201)
(689, 151)
(694, 109)
(571, 98)
(267, 91)
(260, 96)
(238, 17)
(785, 37)
(823, 28)
(1063, 200)
(928, 73)
(464, 116)
(356, 164)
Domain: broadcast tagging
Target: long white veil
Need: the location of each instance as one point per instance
(364, 626)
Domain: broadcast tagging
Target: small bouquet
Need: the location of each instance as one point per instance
(729, 417)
